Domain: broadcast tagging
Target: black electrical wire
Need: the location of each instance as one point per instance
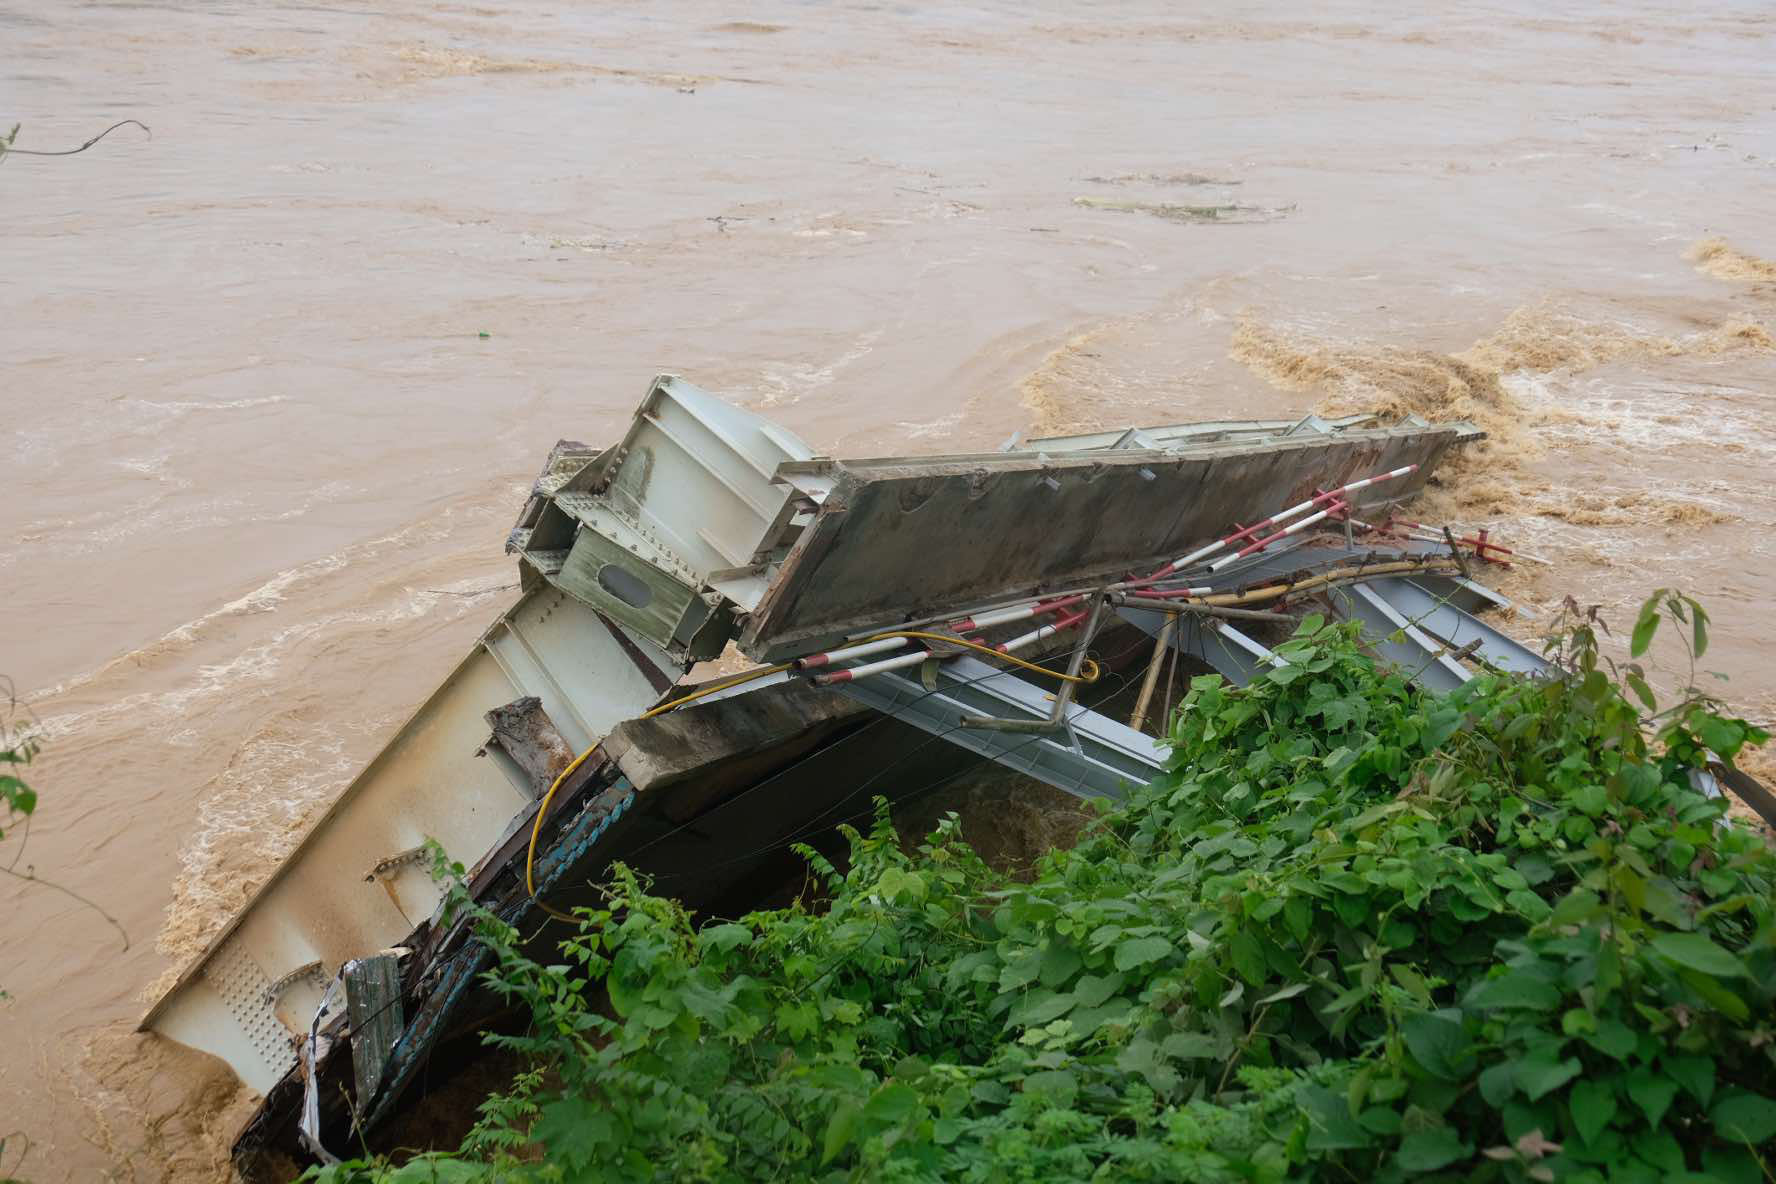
(8, 150)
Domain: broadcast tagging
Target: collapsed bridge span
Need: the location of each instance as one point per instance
(918, 623)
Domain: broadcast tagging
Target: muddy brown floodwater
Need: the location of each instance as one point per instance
(259, 458)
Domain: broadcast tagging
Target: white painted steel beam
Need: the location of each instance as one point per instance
(348, 889)
(1442, 619)
(1091, 756)
(1392, 635)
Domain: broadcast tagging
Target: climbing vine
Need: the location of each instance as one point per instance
(1358, 931)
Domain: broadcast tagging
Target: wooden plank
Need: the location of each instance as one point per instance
(524, 731)
(373, 1007)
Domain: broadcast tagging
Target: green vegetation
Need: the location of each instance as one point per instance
(18, 801)
(1360, 932)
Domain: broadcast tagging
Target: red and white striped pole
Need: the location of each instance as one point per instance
(1280, 516)
(1020, 612)
(1292, 528)
(852, 673)
(1174, 593)
(849, 652)
(1036, 635)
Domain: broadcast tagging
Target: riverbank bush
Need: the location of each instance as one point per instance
(1359, 931)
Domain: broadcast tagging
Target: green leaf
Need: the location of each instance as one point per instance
(1652, 1092)
(1698, 953)
(1426, 1151)
(1139, 951)
(839, 1130)
(1642, 691)
(1497, 1084)
(1695, 1074)
(1590, 800)
(722, 938)
(1716, 996)
(1722, 736)
(1644, 628)
(1288, 992)
(1699, 622)
(1058, 1087)
(1662, 1150)
(1092, 989)
(1438, 1043)
(1540, 1075)
(1593, 1104)
(1731, 1165)
(573, 1128)
(1187, 1046)
(625, 995)
(1298, 916)
(1330, 1125)
(892, 1104)
(1576, 906)
(1528, 905)
(1248, 957)
(1744, 1118)
(1059, 963)
(1286, 674)
(434, 1169)
(1612, 1037)
(1041, 1007)
(899, 883)
(1514, 989)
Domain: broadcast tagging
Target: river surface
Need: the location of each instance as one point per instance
(275, 380)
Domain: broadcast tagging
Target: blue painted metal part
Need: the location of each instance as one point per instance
(432, 1018)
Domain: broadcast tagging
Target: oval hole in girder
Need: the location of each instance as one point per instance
(626, 586)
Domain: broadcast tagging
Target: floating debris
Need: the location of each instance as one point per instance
(1178, 212)
(1163, 179)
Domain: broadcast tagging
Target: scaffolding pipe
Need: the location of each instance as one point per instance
(1019, 613)
(851, 652)
(1036, 635)
(1057, 716)
(1161, 644)
(1292, 528)
(1202, 553)
(852, 673)
(1173, 608)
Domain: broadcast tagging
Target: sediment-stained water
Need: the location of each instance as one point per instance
(276, 379)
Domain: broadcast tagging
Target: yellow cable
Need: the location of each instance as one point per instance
(1095, 672)
(536, 827)
(749, 676)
